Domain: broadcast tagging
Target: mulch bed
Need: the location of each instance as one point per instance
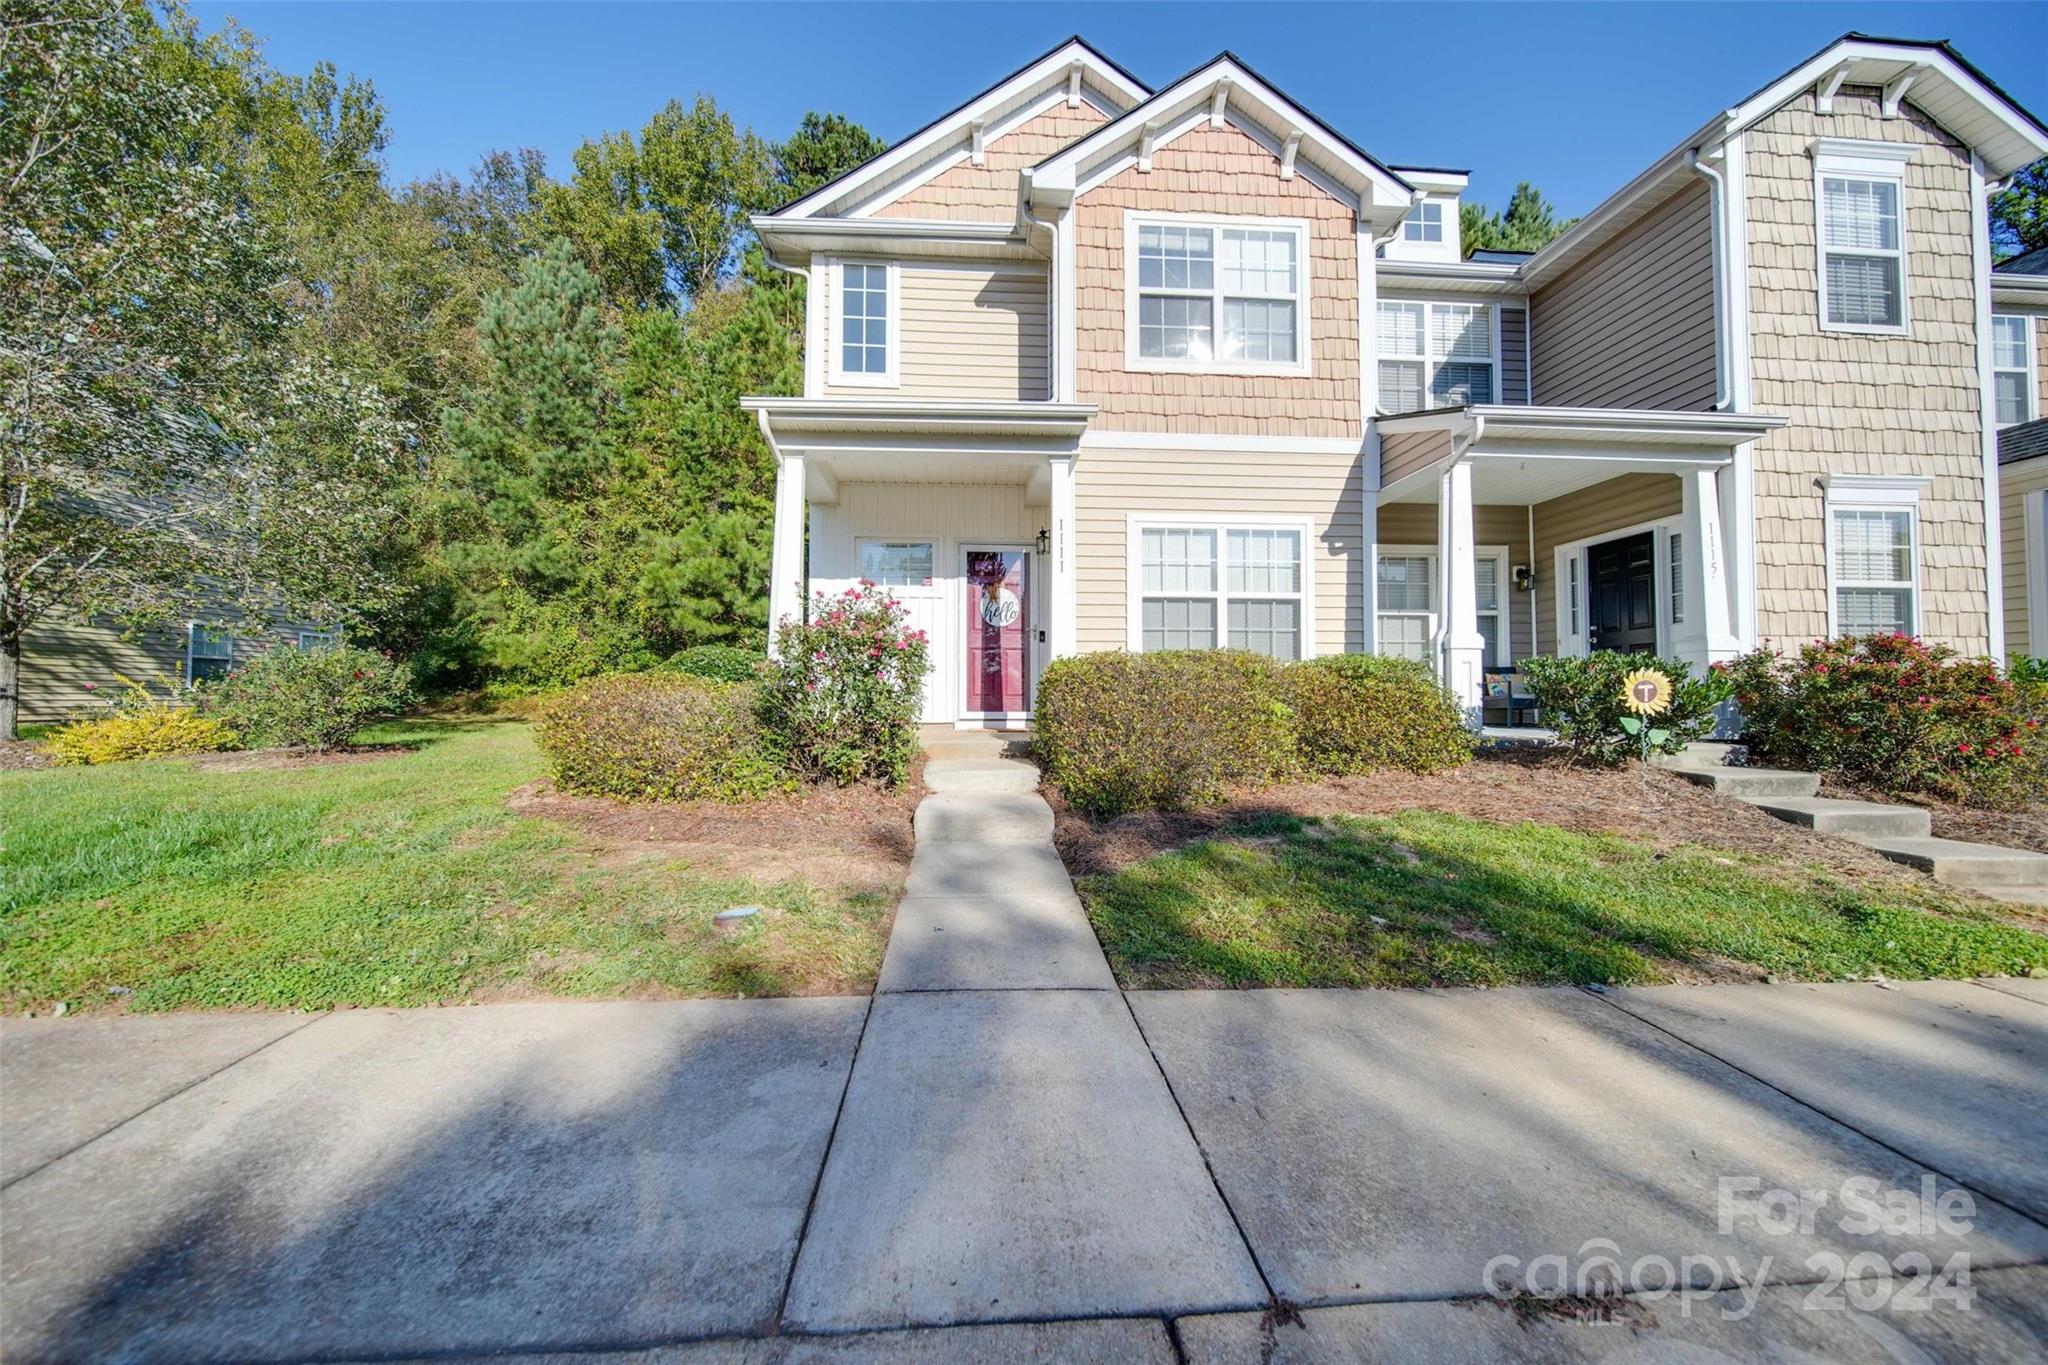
(848, 838)
(2026, 829)
(1650, 807)
(19, 754)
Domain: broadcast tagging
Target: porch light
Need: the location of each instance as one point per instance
(1045, 542)
(1525, 578)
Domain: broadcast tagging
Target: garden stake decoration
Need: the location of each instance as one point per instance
(1647, 692)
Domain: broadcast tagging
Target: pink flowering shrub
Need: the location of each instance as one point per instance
(307, 698)
(842, 694)
(1895, 713)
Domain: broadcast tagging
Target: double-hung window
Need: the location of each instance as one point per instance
(1435, 355)
(1410, 597)
(1204, 585)
(865, 351)
(1674, 549)
(1859, 200)
(209, 652)
(1872, 567)
(1218, 295)
(1425, 223)
(2012, 368)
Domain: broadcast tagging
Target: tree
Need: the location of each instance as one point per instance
(2019, 213)
(1529, 224)
(823, 148)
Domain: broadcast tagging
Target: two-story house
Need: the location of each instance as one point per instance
(1093, 366)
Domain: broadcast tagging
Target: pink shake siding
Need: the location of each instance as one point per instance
(988, 193)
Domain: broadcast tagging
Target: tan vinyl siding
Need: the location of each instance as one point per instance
(1112, 485)
(1493, 525)
(988, 193)
(1614, 505)
(967, 331)
(1863, 404)
(2015, 482)
(1403, 453)
(60, 657)
(1514, 355)
(1632, 326)
(1218, 171)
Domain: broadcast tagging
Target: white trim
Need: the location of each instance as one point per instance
(892, 275)
(1134, 219)
(2034, 555)
(1429, 360)
(1873, 493)
(1994, 566)
(1066, 343)
(1033, 620)
(2029, 368)
(1735, 171)
(1503, 613)
(1877, 163)
(1136, 523)
(1563, 556)
(817, 304)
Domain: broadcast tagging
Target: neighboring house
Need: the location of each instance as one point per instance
(67, 668)
(2023, 490)
(1093, 366)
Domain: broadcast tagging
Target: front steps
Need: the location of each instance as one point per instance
(1901, 833)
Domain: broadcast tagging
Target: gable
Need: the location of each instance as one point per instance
(987, 193)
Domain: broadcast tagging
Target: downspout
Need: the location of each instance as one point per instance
(1052, 284)
(1724, 350)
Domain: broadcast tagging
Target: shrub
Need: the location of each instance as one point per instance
(536, 646)
(661, 736)
(1123, 732)
(1581, 698)
(720, 663)
(308, 698)
(140, 725)
(1356, 713)
(841, 697)
(1895, 713)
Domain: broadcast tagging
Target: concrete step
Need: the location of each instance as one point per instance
(1752, 784)
(971, 745)
(1977, 867)
(987, 817)
(1705, 753)
(1852, 819)
(987, 868)
(981, 775)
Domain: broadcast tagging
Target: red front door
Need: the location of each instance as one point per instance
(998, 630)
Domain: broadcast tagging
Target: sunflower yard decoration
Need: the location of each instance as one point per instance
(1647, 692)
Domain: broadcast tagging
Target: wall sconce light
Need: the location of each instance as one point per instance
(1045, 542)
(1525, 578)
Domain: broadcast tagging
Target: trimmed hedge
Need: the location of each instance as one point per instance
(1358, 713)
(1581, 698)
(660, 736)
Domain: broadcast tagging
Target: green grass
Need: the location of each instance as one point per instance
(1428, 899)
(398, 881)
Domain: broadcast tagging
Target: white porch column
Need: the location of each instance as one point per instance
(1060, 562)
(1463, 648)
(1707, 635)
(788, 587)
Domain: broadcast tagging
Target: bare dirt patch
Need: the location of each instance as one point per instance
(20, 754)
(275, 760)
(2026, 829)
(839, 838)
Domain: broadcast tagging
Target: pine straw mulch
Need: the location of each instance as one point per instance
(2026, 829)
(1649, 807)
(21, 754)
(849, 839)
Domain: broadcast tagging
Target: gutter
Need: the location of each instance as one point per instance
(1724, 350)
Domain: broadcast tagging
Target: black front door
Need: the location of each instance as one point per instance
(1622, 584)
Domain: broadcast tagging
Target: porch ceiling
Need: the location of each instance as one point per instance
(1518, 480)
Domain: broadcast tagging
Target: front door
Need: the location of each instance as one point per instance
(998, 632)
(1621, 583)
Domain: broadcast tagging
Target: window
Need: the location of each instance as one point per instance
(897, 563)
(209, 652)
(1571, 589)
(1872, 564)
(1241, 586)
(1215, 295)
(1409, 596)
(865, 295)
(318, 639)
(1425, 223)
(1675, 545)
(2012, 368)
(1435, 355)
(1489, 572)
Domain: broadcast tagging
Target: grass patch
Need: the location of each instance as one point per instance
(1428, 899)
(402, 880)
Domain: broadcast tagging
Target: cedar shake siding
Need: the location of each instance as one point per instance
(1111, 485)
(967, 331)
(1615, 505)
(1632, 326)
(2015, 482)
(967, 193)
(1218, 171)
(1865, 404)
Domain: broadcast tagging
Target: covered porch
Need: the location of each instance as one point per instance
(1503, 532)
(963, 510)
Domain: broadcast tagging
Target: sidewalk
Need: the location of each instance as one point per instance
(1003, 1157)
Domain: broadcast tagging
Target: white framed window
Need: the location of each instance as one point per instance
(1201, 585)
(318, 639)
(1573, 597)
(1674, 559)
(1216, 294)
(898, 563)
(2012, 368)
(1425, 222)
(865, 299)
(1410, 598)
(1859, 203)
(209, 652)
(1436, 355)
(1873, 554)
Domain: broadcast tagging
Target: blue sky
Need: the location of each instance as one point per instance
(1576, 98)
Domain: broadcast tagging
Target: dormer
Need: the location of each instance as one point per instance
(1430, 231)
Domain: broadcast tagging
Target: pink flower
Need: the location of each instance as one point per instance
(1962, 748)
(92, 687)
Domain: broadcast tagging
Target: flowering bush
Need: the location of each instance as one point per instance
(1581, 698)
(665, 736)
(1895, 713)
(842, 694)
(307, 698)
(138, 725)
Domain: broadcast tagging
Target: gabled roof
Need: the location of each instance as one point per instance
(2034, 262)
(1932, 75)
(2027, 441)
(1252, 99)
(1101, 78)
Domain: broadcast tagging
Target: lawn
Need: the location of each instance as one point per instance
(395, 880)
(1428, 898)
